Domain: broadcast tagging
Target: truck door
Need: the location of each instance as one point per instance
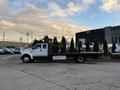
(39, 50)
(44, 49)
(36, 50)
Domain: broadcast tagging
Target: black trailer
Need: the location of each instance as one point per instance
(78, 57)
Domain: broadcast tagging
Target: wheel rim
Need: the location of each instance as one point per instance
(80, 59)
(26, 59)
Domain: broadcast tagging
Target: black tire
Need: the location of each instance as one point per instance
(26, 59)
(31, 60)
(80, 60)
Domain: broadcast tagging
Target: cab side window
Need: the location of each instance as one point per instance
(44, 46)
(40, 46)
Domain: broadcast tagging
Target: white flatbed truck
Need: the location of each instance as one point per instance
(41, 50)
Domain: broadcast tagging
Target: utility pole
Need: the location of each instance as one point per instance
(31, 38)
(27, 36)
(20, 40)
(3, 36)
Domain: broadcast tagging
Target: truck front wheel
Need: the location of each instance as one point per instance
(80, 60)
(26, 59)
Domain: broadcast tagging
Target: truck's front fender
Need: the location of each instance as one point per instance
(31, 57)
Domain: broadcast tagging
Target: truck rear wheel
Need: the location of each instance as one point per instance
(26, 59)
(80, 60)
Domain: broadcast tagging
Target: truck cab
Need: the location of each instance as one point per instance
(38, 50)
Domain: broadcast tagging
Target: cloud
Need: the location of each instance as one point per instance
(56, 10)
(88, 2)
(35, 20)
(5, 10)
(40, 26)
(2, 2)
(79, 6)
(6, 25)
(72, 8)
(32, 10)
(110, 5)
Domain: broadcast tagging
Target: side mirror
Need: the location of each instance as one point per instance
(33, 48)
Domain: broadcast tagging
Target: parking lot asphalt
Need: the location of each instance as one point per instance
(15, 75)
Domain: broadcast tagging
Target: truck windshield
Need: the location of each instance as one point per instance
(36, 46)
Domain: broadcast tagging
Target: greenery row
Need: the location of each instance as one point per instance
(56, 47)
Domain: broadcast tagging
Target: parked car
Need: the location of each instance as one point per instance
(17, 50)
(1, 50)
(6, 51)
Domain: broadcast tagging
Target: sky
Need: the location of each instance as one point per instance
(55, 17)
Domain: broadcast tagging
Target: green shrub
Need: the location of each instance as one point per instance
(105, 48)
(87, 46)
(113, 47)
(55, 45)
(72, 48)
(96, 46)
(63, 45)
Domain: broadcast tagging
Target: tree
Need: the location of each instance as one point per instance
(35, 42)
(46, 39)
(72, 49)
(96, 46)
(105, 47)
(40, 41)
(113, 47)
(79, 46)
(87, 46)
(55, 46)
(63, 45)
